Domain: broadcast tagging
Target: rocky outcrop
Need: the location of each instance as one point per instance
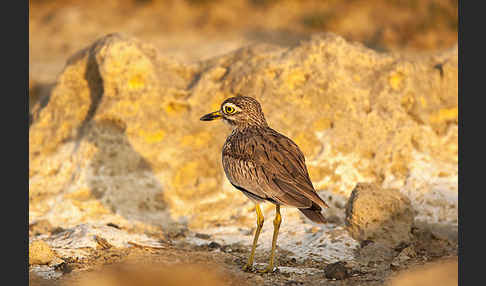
(119, 139)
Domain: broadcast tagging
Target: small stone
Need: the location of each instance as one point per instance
(64, 268)
(102, 242)
(405, 254)
(382, 215)
(113, 225)
(40, 227)
(40, 253)
(365, 243)
(334, 219)
(202, 236)
(214, 245)
(226, 248)
(57, 230)
(336, 271)
(293, 283)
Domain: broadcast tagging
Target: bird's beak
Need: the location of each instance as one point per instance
(211, 116)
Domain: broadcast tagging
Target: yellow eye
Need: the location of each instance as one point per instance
(229, 109)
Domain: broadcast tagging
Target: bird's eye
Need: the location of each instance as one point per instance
(229, 109)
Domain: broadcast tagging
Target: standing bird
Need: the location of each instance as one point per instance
(266, 166)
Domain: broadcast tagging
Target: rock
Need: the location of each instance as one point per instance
(74, 242)
(64, 268)
(406, 254)
(40, 227)
(214, 245)
(293, 283)
(40, 253)
(119, 139)
(382, 215)
(337, 271)
(444, 273)
(202, 235)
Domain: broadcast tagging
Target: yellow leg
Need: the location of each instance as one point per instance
(276, 227)
(260, 220)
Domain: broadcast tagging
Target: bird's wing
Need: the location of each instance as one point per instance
(270, 166)
(286, 163)
(243, 175)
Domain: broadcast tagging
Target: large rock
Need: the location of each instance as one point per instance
(119, 137)
(381, 215)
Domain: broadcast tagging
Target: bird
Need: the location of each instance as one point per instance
(266, 166)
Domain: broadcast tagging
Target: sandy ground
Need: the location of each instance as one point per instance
(373, 265)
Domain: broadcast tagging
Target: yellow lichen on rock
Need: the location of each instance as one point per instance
(152, 137)
(321, 124)
(187, 170)
(176, 109)
(408, 101)
(395, 80)
(295, 78)
(82, 194)
(423, 102)
(308, 143)
(444, 115)
(136, 82)
(198, 140)
(91, 209)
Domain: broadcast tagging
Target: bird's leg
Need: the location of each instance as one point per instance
(276, 227)
(260, 220)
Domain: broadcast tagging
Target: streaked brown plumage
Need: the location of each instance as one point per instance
(267, 166)
(264, 164)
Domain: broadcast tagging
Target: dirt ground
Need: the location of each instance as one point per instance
(226, 261)
(195, 30)
(176, 258)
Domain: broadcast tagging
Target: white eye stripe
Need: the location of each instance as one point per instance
(230, 106)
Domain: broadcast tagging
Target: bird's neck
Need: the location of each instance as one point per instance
(249, 126)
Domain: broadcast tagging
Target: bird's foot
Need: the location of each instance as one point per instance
(248, 268)
(268, 269)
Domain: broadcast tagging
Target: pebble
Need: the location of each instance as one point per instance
(336, 271)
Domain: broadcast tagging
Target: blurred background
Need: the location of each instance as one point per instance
(191, 30)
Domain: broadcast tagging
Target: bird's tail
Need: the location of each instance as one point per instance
(314, 213)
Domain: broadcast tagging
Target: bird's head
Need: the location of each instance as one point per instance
(239, 112)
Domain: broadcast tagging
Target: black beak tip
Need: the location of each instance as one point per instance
(205, 118)
(211, 116)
